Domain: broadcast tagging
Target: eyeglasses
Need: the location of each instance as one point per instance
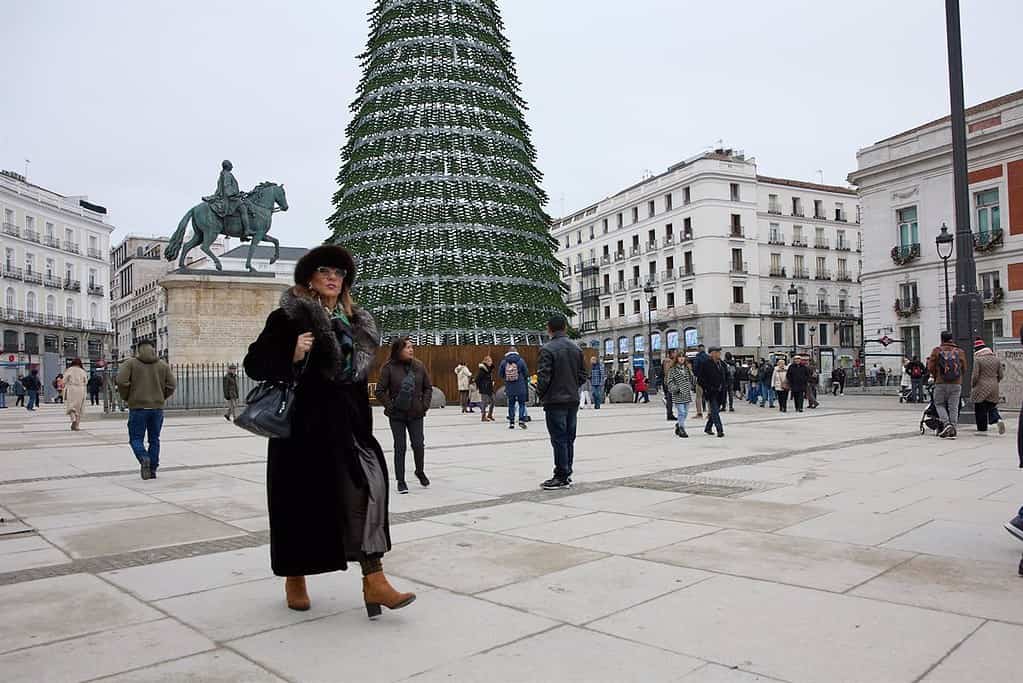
(339, 273)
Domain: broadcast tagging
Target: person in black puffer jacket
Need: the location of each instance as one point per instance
(798, 376)
(405, 391)
(712, 375)
(485, 383)
(560, 373)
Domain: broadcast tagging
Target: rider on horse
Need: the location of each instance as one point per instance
(229, 199)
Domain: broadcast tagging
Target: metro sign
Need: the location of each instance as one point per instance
(885, 340)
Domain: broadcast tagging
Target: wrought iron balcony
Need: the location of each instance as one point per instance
(12, 273)
(801, 273)
(988, 240)
(778, 271)
(821, 243)
(53, 282)
(907, 306)
(777, 239)
(72, 285)
(686, 271)
(51, 241)
(668, 240)
(903, 254)
(97, 290)
(71, 247)
(822, 274)
(31, 235)
(33, 277)
(843, 276)
(95, 253)
(635, 250)
(842, 245)
(798, 242)
(739, 266)
(12, 229)
(993, 297)
(736, 231)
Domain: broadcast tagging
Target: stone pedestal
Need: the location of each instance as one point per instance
(212, 316)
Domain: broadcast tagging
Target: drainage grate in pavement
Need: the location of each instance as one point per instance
(694, 488)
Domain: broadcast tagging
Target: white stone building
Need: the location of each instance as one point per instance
(137, 301)
(55, 271)
(905, 185)
(710, 249)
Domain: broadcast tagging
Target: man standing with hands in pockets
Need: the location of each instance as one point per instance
(560, 373)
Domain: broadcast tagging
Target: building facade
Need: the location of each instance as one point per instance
(137, 302)
(905, 185)
(707, 253)
(55, 274)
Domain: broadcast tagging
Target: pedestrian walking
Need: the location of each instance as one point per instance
(916, 371)
(485, 384)
(95, 386)
(231, 391)
(560, 372)
(798, 376)
(405, 391)
(58, 385)
(813, 386)
(712, 375)
(463, 376)
(768, 391)
(597, 380)
(145, 382)
(585, 394)
(514, 372)
(642, 388)
(19, 391)
(75, 381)
(666, 367)
(946, 364)
(732, 381)
(698, 360)
(987, 373)
(33, 385)
(836, 380)
(4, 388)
(327, 484)
(681, 385)
(780, 384)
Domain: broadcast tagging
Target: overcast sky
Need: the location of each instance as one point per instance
(135, 103)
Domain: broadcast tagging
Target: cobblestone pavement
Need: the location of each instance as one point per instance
(834, 545)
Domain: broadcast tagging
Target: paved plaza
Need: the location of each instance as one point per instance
(837, 545)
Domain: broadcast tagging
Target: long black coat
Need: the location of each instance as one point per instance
(306, 474)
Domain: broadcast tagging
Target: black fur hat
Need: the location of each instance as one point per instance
(325, 255)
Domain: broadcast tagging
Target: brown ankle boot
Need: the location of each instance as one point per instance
(294, 589)
(377, 591)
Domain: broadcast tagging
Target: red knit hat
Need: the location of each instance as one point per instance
(978, 344)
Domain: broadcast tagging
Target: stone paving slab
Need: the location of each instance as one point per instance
(958, 539)
(647, 535)
(220, 666)
(987, 655)
(742, 514)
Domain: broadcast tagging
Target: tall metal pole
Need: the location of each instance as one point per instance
(966, 303)
(794, 304)
(948, 306)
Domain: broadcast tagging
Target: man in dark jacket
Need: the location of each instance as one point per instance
(560, 373)
(231, 391)
(713, 378)
(33, 385)
(917, 371)
(145, 382)
(767, 394)
(837, 381)
(798, 376)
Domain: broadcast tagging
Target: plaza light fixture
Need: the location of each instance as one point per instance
(649, 291)
(945, 243)
(793, 298)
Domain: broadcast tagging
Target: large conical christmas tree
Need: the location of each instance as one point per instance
(438, 195)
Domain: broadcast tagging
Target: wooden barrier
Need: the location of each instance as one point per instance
(441, 361)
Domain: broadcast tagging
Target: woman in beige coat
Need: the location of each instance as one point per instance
(75, 382)
(781, 385)
(987, 373)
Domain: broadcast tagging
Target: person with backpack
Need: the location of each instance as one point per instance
(916, 371)
(94, 386)
(514, 372)
(405, 391)
(947, 363)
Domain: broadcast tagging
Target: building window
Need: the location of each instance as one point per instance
(990, 283)
(737, 264)
(739, 336)
(635, 214)
(689, 296)
(687, 262)
(604, 225)
(911, 341)
(773, 205)
(779, 334)
(51, 305)
(9, 300)
(635, 306)
(93, 312)
(652, 268)
(818, 209)
(9, 258)
(651, 236)
(667, 202)
(652, 303)
(846, 336)
(635, 241)
(907, 294)
(69, 309)
(607, 312)
(909, 231)
(775, 233)
(687, 196)
(668, 229)
(797, 235)
(670, 303)
(687, 228)
(568, 243)
(578, 236)
(988, 219)
(621, 310)
(30, 263)
(592, 234)
(650, 210)
(824, 334)
(635, 273)
(776, 303)
(797, 206)
(669, 264)
(30, 302)
(992, 330)
(839, 212)
(621, 220)
(737, 295)
(733, 191)
(801, 334)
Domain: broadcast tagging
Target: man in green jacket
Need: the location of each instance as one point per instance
(145, 382)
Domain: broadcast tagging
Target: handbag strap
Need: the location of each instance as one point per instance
(298, 376)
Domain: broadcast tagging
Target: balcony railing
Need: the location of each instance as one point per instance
(822, 274)
(778, 271)
(780, 312)
(73, 285)
(97, 290)
(52, 282)
(588, 326)
(736, 231)
(71, 247)
(12, 229)
(34, 278)
(821, 243)
(651, 246)
(668, 240)
(667, 275)
(842, 245)
(13, 273)
(774, 210)
(605, 259)
(840, 217)
(635, 283)
(31, 235)
(819, 217)
(801, 273)
(686, 271)
(907, 306)
(95, 253)
(687, 236)
(988, 240)
(798, 213)
(903, 254)
(776, 239)
(823, 309)
(798, 242)
(635, 250)
(51, 241)
(843, 276)
(621, 286)
(993, 297)
(739, 266)
(619, 256)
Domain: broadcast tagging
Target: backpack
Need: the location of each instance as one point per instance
(511, 372)
(403, 401)
(949, 366)
(917, 372)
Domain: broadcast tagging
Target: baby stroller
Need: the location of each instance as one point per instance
(929, 419)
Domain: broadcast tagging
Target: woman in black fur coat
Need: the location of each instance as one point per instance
(327, 484)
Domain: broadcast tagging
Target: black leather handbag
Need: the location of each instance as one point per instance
(269, 407)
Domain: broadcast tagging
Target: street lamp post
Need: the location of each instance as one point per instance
(649, 291)
(813, 331)
(945, 244)
(793, 298)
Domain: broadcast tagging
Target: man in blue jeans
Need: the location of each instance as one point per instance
(33, 385)
(597, 382)
(515, 374)
(145, 382)
(560, 373)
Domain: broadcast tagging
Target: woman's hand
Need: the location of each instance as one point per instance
(303, 346)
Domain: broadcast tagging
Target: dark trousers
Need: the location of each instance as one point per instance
(33, 399)
(783, 400)
(414, 428)
(463, 399)
(714, 404)
(797, 398)
(20, 400)
(986, 412)
(667, 402)
(561, 424)
(917, 392)
(94, 398)
(143, 422)
(731, 400)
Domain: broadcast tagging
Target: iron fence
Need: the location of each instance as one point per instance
(199, 386)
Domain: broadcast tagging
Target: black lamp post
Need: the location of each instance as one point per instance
(945, 243)
(793, 298)
(813, 331)
(649, 291)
